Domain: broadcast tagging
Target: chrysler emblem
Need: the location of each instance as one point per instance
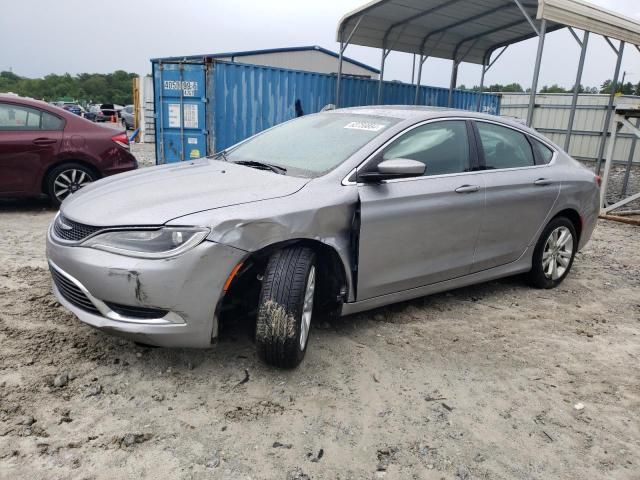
(64, 226)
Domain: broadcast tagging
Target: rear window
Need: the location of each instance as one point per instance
(312, 145)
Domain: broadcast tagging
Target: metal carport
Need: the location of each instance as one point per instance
(473, 31)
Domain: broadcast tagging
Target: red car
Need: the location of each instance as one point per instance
(48, 150)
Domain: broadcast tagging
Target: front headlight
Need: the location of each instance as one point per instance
(159, 243)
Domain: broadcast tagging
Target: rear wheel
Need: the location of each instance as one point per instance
(554, 254)
(66, 179)
(286, 306)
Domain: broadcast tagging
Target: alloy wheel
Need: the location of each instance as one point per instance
(557, 253)
(70, 181)
(307, 307)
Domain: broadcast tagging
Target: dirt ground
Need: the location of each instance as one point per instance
(495, 381)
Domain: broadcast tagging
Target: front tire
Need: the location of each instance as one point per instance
(554, 254)
(285, 307)
(66, 179)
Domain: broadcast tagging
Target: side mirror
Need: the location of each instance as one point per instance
(395, 168)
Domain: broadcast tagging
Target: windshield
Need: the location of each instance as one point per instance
(312, 145)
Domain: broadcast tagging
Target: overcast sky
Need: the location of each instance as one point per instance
(38, 37)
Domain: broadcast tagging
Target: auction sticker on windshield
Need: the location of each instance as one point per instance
(368, 126)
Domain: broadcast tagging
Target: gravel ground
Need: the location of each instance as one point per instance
(145, 153)
(616, 182)
(495, 381)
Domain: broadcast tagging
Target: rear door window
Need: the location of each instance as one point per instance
(504, 147)
(18, 117)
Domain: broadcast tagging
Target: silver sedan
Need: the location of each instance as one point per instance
(327, 214)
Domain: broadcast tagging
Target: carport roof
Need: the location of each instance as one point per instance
(470, 30)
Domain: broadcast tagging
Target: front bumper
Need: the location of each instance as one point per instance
(186, 288)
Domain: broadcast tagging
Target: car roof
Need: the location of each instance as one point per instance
(418, 113)
(42, 105)
(23, 100)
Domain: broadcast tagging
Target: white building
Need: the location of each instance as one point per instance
(310, 59)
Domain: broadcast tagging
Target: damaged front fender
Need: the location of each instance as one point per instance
(325, 215)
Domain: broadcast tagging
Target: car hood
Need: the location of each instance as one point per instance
(155, 195)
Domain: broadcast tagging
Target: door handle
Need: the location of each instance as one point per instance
(467, 189)
(542, 182)
(44, 141)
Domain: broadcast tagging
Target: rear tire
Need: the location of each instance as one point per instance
(66, 179)
(285, 307)
(554, 254)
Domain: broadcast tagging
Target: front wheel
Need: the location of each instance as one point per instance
(285, 307)
(554, 254)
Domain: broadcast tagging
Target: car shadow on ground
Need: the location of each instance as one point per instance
(236, 335)
(26, 205)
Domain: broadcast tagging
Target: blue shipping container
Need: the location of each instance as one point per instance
(202, 108)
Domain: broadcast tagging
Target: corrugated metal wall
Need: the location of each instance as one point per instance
(551, 118)
(248, 98)
(240, 100)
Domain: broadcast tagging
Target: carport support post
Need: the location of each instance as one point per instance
(576, 91)
(612, 97)
(632, 152)
(385, 52)
(423, 58)
(536, 71)
(337, 102)
(413, 69)
(484, 70)
(454, 82)
(615, 126)
(343, 46)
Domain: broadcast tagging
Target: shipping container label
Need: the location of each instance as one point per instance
(189, 88)
(368, 126)
(190, 115)
(174, 115)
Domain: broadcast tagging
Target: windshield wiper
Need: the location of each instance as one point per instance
(262, 166)
(221, 155)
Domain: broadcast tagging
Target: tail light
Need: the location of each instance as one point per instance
(122, 140)
(598, 180)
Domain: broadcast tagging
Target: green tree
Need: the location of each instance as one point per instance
(555, 88)
(511, 87)
(606, 87)
(627, 89)
(113, 87)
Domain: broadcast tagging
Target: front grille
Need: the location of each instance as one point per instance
(72, 293)
(136, 312)
(72, 231)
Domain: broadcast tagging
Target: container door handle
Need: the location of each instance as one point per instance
(467, 189)
(541, 182)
